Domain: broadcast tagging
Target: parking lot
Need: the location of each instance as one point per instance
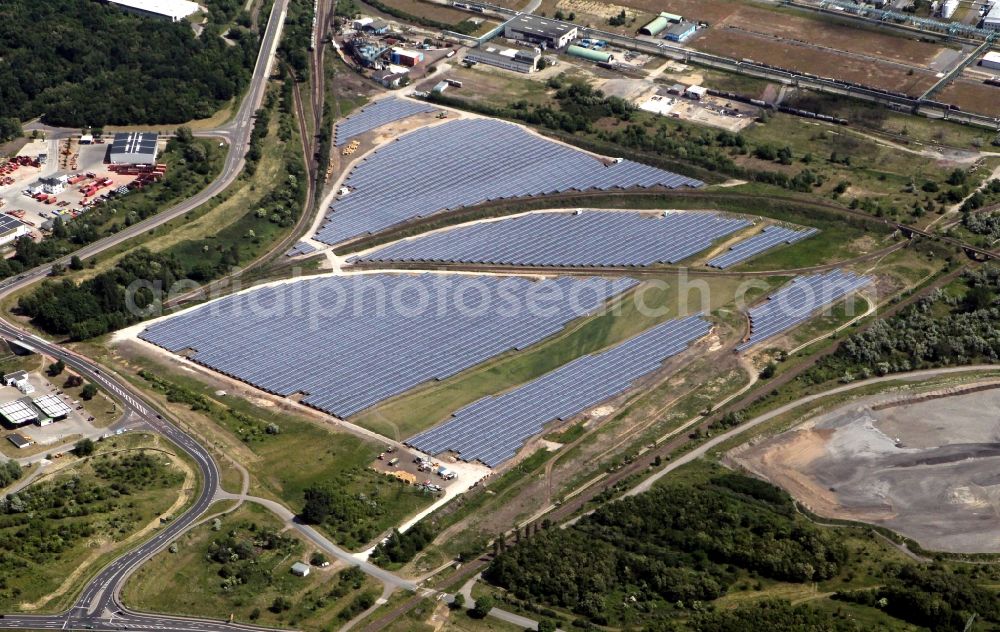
(76, 424)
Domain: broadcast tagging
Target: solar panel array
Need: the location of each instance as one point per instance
(301, 248)
(467, 162)
(598, 238)
(794, 303)
(376, 115)
(764, 240)
(351, 342)
(494, 428)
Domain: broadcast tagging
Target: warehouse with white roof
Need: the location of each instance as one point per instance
(173, 10)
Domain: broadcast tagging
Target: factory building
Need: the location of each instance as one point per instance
(992, 19)
(681, 31)
(661, 22)
(509, 59)
(991, 60)
(547, 33)
(134, 148)
(173, 10)
(11, 229)
(592, 55)
(409, 58)
(948, 8)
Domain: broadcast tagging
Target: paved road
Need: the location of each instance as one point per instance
(99, 607)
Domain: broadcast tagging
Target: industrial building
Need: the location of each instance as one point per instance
(681, 31)
(53, 185)
(390, 78)
(19, 412)
(695, 92)
(134, 148)
(948, 8)
(992, 19)
(542, 31)
(19, 440)
(173, 10)
(592, 55)
(991, 60)
(661, 22)
(376, 27)
(403, 57)
(11, 229)
(518, 60)
(19, 380)
(53, 407)
(367, 52)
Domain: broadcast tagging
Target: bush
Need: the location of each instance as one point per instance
(483, 606)
(89, 391)
(83, 447)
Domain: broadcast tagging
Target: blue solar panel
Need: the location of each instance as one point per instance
(301, 248)
(493, 429)
(350, 342)
(376, 115)
(467, 162)
(796, 302)
(764, 240)
(591, 238)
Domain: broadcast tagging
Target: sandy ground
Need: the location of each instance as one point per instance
(927, 469)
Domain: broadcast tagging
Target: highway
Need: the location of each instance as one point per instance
(98, 606)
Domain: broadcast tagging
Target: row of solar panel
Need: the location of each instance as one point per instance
(592, 238)
(493, 429)
(351, 342)
(376, 115)
(301, 248)
(794, 303)
(764, 240)
(467, 162)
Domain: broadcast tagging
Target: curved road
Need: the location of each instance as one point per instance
(99, 607)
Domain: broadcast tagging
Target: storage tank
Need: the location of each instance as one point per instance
(586, 53)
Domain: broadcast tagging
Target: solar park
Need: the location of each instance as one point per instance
(348, 343)
(375, 115)
(768, 238)
(466, 162)
(794, 303)
(493, 429)
(590, 238)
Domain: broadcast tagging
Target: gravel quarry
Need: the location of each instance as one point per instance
(925, 466)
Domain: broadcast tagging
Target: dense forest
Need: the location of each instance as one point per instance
(102, 303)
(98, 65)
(945, 328)
(668, 549)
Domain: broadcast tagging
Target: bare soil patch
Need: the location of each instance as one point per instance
(972, 97)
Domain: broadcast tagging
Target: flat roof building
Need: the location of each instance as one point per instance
(992, 19)
(991, 60)
(134, 148)
(510, 59)
(549, 33)
(681, 31)
(299, 569)
(695, 92)
(173, 10)
(11, 229)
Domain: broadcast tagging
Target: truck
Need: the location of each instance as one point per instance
(394, 461)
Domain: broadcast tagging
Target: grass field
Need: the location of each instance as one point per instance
(972, 96)
(402, 417)
(191, 582)
(119, 493)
